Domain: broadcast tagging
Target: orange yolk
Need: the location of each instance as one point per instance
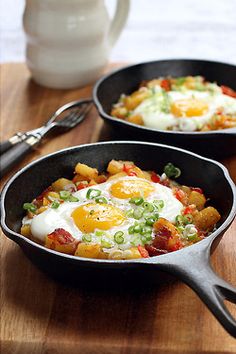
(191, 107)
(90, 216)
(131, 188)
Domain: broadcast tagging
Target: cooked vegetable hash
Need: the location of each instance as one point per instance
(123, 213)
(180, 104)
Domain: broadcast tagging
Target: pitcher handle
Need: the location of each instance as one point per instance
(119, 20)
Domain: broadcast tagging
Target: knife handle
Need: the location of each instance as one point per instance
(13, 156)
(8, 144)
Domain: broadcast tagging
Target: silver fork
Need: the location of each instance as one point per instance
(31, 139)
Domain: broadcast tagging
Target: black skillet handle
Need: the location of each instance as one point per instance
(195, 270)
(13, 156)
(5, 145)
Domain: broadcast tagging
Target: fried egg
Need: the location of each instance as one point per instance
(111, 213)
(187, 110)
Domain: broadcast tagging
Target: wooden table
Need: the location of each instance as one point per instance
(39, 315)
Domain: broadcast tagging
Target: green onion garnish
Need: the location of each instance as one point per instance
(119, 237)
(101, 200)
(192, 237)
(93, 193)
(136, 200)
(99, 233)
(130, 213)
(105, 243)
(171, 171)
(146, 238)
(148, 207)
(137, 228)
(146, 230)
(55, 204)
(72, 199)
(64, 195)
(131, 230)
(135, 241)
(138, 213)
(87, 238)
(183, 219)
(159, 204)
(29, 207)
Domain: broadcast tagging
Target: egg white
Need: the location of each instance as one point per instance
(51, 219)
(153, 117)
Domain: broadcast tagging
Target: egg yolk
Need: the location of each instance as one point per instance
(91, 216)
(191, 107)
(131, 188)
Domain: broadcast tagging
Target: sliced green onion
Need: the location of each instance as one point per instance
(180, 81)
(192, 237)
(99, 233)
(119, 237)
(105, 243)
(172, 171)
(146, 238)
(93, 193)
(130, 213)
(148, 207)
(101, 200)
(146, 230)
(159, 204)
(183, 219)
(150, 221)
(64, 195)
(137, 228)
(55, 204)
(87, 238)
(136, 200)
(131, 230)
(72, 199)
(138, 213)
(30, 207)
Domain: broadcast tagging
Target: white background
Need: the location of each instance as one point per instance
(156, 29)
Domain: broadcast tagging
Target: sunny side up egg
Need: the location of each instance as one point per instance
(189, 110)
(109, 215)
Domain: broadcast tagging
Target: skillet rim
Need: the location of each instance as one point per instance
(108, 117)
(207, 241)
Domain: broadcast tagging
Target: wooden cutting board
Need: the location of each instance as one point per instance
(41, 316)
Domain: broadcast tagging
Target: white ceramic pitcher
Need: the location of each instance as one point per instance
(69, 41)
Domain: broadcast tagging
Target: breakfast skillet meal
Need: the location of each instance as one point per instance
(179, 104)
(124, 213)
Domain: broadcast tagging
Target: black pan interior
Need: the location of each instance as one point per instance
(128, 79)
(195, 172)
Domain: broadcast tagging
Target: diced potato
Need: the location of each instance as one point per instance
(86, 171)
(136, 119)
(147, 175)
(46, 202)
(53, 195)
(132, 253)
(207, 218)
(25, 230)
(101, 179)
(89, 250)
(61, 242)
(41, 210)
(198, 199)
(60, 184)
(119, 112)
(186, 189)
(162, 223)
(92, 183)
(131, 102)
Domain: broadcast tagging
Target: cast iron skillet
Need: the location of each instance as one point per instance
(108, 89)
(191, 265)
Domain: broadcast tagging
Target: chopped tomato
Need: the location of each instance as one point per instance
(62, 236)
(142, 250)
(188, 210)
(128, 169)
(155, 178)
(166, 84)
(175, 246)
(81, 185)
(228, 91)
(197, 189)
(180, 195)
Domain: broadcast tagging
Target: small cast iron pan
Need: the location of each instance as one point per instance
(191, 265)
(217, 144)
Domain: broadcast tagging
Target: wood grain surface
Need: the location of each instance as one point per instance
(42, 316)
